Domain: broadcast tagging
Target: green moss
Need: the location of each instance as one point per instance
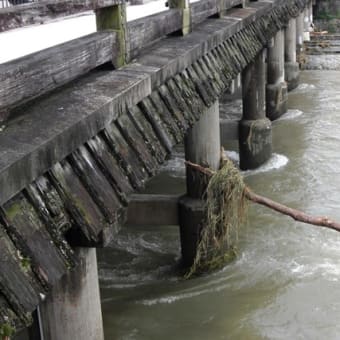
(13, 211)
(114, 18)
(6, 330)
(25, 264)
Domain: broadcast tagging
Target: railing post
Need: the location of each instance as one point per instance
(114, 18)
(255, 131)
(184, 5)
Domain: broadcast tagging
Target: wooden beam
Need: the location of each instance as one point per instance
(142, 32)
(44, 11)
(184, 6)
(201, 10)
(153, 210)
(114, 18)
(33, 75)
(92, 102)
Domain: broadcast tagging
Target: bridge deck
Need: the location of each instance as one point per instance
(69, 161)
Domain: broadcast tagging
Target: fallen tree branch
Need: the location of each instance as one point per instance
(297, 215)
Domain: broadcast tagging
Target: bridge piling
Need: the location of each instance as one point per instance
(311, 18)
(292, 72)
(276, 90)
(202, 146)
(255, 133)
(306, 25)
(72, 310)
(299, 38)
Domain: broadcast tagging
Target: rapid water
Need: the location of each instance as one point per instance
(285, 283)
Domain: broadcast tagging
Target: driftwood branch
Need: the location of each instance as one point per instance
(297, 215)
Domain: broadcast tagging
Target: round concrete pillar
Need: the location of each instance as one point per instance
(306, 25)
(276, 90)
(202, 146)
(255, 136)
(311, 19)
(299, 37)
(292, 71)
(72, 310)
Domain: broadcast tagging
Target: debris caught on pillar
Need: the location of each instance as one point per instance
(225, 210)
(226, 202)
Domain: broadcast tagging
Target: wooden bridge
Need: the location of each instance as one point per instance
(88, 122)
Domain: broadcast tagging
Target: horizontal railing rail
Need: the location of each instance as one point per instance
(41, 11)
(31, 76)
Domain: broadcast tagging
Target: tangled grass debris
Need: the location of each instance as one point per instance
(226, 209)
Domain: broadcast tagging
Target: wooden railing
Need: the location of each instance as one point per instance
(31, 76)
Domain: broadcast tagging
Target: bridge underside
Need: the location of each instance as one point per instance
(69, 161)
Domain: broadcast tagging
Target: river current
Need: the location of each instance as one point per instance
(285, 282)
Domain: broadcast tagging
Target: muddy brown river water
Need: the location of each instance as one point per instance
(285, 283)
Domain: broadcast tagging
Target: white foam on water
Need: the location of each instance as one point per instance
(174, 298)
(328, 269)
(175, 166)
(291, 114)
(304, 87)
(233, 155)
(277, 161)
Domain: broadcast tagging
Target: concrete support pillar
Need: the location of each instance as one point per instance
(255, 133)
(299, 38)
(311, 17)
(276, 91)
(292, 71)
(306, 24)
(72, 310)
(202, 146)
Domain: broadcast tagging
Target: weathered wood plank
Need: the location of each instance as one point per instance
(57, 125)
(127, 158)
(143, 31)
(150, 137)
(203, 9)
(161, 127)
(169, 100)
(90, 103)
(190, 94)
(16, 279)
(110, 166)
(96, 184)
(49, 204)
(88, 219)
(182, 105)
(8, 315)
(34, 75)
(44, 11)
(44, 256)
(137, 142)
(166, 116)
(153, 210)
